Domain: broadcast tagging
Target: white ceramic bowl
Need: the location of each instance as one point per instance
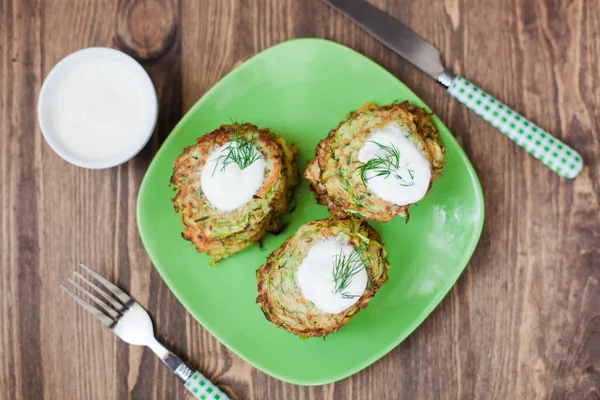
(48, 96)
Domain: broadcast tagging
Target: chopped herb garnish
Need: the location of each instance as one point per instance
(344, 269)
(239, 150)
(387, 165)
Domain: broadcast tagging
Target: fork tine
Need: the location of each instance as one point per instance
(93, 310)
(121, 295)
(116, 305)
(95, 299)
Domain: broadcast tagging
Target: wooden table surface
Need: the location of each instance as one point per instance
(523, 321)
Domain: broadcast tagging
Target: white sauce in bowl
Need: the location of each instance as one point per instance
(97, 108)
(408, 182)
(231, 187)
(315, 277)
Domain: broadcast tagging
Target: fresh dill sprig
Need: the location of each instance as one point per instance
(386, 165)
(239, 150)
(344, 269)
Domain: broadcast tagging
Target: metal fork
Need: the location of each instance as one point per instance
(132, 324)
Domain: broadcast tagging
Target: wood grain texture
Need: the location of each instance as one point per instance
(523, 321)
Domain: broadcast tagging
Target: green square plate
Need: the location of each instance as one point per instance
(301, 89)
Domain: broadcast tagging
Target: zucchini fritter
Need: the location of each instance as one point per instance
(334, 173)
(222, 233)
(279, 295)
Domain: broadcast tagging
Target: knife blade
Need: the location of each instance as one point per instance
(393, 34)
(552, 152)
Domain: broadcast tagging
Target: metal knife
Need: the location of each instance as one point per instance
(555, 154)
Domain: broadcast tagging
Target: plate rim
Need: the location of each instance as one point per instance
(441, 294)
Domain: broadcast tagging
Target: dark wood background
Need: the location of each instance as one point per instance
(523, 321)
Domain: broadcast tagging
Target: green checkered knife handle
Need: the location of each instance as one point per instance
(556, 155)
(204, 389)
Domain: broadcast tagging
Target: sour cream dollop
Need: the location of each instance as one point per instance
(231, 187)
(406, 184)
(316, 279)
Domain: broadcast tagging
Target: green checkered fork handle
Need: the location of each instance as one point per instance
(202, 388)
(555, 154)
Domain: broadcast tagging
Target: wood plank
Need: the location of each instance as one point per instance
(523, 320)
(20, 278)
